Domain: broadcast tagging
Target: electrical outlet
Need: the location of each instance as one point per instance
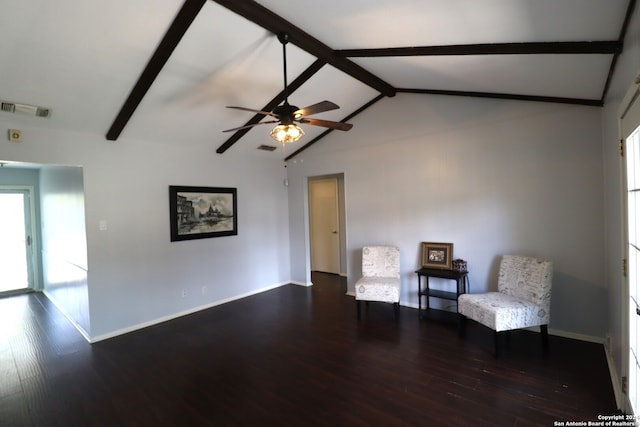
(204, 290)
(184, 293)
(15, 135)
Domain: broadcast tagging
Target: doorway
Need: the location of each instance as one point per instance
(630, 140)
(327, 224)
(16, 239)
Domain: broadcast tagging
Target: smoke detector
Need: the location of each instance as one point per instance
(30, 110)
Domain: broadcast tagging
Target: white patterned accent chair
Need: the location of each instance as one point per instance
(523, 299)
(380, 277)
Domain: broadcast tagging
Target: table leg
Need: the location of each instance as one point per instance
(426, 290)
(419, 296)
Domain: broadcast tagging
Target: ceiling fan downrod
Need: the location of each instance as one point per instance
(287, 115)
(284, 39)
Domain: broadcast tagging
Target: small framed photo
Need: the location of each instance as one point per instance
(202, 212)
(437, 255)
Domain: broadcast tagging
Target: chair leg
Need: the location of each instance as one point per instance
(462, 325)
(396, 310)
(358, 309)
(496, 343)
(544, 333)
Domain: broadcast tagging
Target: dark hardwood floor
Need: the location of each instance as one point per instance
(292, 356)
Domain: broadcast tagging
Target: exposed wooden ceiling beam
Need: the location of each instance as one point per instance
(338, 59)
(597, 47)
(623, 32)
(178, 28)
(276, 24)
(516, 97)
(299, 81)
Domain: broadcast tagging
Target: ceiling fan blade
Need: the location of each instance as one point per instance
(320, 107)
(327, 123)
(250, 126)
(266, 113)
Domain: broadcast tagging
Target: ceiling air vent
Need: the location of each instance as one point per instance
(9, 107)
(266, 147)
(31, 110)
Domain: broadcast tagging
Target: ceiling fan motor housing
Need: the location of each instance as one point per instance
(285, 113)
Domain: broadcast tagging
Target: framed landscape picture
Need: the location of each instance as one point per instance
(437, 255)
(202, 212)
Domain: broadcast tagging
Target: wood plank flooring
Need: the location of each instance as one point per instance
(292, 356)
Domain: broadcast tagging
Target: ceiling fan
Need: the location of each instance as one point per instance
(288, 115)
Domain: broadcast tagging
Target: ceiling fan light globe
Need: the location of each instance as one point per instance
(287, 133)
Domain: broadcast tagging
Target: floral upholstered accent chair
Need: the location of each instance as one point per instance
(523, 299)
(380, 279)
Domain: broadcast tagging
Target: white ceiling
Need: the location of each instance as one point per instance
(82, 58)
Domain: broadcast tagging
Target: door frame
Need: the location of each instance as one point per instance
(632, 96)
(342, 225)
(324, 258)
(32, 259)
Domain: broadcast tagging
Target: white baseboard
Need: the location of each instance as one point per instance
(556, 332)
(75, 324)
(621, 397)
(180, 314)
(574, 336)
(97, 338)
(301, 283)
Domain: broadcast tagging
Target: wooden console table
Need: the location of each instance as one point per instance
(462, 283)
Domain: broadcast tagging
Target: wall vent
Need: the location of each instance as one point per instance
(31, 110)
(266, 147)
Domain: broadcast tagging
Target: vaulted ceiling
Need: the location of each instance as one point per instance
(164, 70)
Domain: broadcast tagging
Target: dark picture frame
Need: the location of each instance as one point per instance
(437, 255)
(202, 212)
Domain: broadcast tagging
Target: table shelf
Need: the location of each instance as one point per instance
(435, 293)
(461, 286)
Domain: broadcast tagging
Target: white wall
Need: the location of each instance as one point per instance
(64, 242)
(492, 177)
(135, 274)
(627, 69)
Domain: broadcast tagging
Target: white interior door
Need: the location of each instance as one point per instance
(630, 130)
(16, 255)
(324, 225)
